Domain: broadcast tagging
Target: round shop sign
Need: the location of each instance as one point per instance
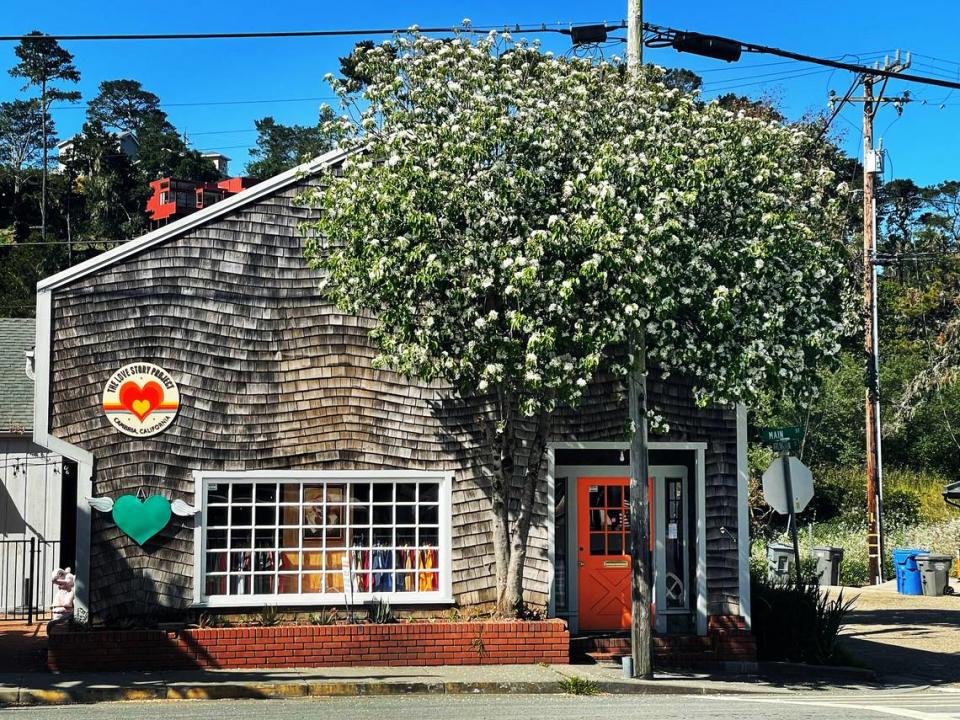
(141, 399)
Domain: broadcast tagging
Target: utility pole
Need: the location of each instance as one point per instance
(641, 639)
(873, 165)
(869, 279)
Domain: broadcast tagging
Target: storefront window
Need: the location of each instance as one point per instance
(323, 538)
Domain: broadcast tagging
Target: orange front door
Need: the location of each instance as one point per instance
(603, 555)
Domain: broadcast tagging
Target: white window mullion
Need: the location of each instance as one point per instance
(382, 490)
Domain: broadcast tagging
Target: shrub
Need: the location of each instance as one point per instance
(379, 612)
(268, 617)
(797, 622)
(901, 507)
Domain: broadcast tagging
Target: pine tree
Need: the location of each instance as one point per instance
(42, 62)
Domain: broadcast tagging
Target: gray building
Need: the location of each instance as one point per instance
(31, 479)
(252, 398)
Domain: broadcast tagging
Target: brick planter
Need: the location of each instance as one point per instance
(412, 644)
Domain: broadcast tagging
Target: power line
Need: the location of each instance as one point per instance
(794, 76)
(515, 28)
(83, 106)
(697, 42)
(751, 66)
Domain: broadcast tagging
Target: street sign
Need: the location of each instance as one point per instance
(792, 432)
(775, 484)
(784, 445)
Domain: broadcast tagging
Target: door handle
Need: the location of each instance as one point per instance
(580, 563)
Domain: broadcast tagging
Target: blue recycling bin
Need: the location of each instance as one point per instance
(908, 574)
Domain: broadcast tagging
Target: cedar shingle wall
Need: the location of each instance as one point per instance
(273, 377)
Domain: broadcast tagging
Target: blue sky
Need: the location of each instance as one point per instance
(207, 87)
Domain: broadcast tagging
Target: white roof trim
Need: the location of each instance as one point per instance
(201, 217)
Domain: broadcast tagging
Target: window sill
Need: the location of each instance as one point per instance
(244, 601)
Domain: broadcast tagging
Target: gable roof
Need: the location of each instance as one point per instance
(17, 335)
(194, 220)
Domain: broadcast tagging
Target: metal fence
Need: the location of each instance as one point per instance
(26, 567)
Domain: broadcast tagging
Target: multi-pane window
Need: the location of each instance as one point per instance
(609, 519)
(340, 538)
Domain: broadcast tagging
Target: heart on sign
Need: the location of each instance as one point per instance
(141, 520)
(141, 401)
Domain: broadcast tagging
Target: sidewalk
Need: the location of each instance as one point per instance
(905, 636)
(47, 689)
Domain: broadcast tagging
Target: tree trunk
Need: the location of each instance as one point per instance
(510, 538)
(43, 174)
(512, 601)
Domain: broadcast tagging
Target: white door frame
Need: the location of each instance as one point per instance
(699, 450)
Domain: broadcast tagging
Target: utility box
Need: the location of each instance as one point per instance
(829, 560)
(780, 561)
(934, 573)
(873, 161)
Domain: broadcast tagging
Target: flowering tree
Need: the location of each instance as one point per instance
(515, 221)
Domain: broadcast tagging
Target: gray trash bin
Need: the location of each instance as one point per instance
(828, 564)
(934, 573)
(780, 561)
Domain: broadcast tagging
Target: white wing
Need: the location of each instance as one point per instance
(103, 504)
(179, 507)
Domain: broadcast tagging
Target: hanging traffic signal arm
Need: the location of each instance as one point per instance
(728, 49)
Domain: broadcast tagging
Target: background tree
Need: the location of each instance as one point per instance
(113, 193)
(682, 79)
(21, 148)
(514, 221)
(125, 105)
(281, 147)
(42, 62)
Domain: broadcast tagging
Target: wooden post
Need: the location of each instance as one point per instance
(641, 639)
(640, 565)
(873, 529)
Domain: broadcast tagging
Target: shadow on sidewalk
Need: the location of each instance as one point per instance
(919, 643)
(23, 647)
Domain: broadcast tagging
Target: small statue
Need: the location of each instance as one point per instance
(64, 581)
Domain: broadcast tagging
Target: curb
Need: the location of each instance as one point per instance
(813, 673)
(27, 697)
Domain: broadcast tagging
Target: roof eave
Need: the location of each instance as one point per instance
(194, 220)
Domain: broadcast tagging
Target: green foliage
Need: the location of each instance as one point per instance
(478, 644)
(796, 622)
(21, 267)
(112, 191)
(125, 105)
(270, 616)
(683, 80)
(576, 685)
(281, 147)
(326, 616)
(21, 134)
(910, 498)
(43, 61)
(379, 612)
(213, 620)
(516, 222)
(519, 244)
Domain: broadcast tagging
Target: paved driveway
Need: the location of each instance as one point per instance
(904, 636)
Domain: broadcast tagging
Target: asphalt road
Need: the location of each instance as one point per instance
(926, 704)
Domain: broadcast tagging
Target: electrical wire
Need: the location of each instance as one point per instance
(665, 37)
(795, 76)
(751, 66)
(83, 106)
(513, 28)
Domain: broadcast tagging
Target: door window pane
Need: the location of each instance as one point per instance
(598, 544)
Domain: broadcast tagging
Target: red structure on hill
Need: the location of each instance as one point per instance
(172, 198)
